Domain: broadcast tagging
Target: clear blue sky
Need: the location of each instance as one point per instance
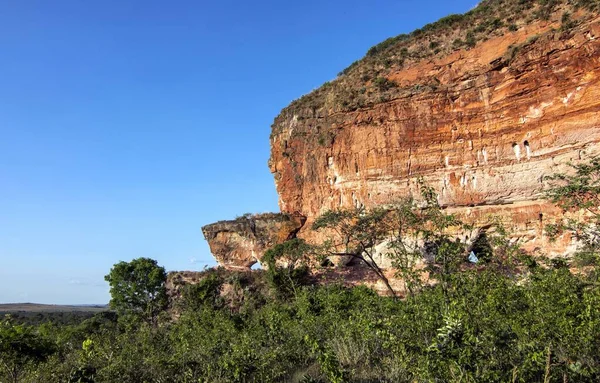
(127, 125)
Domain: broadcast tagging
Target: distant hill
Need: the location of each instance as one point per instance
(36, 307)
(36, 314)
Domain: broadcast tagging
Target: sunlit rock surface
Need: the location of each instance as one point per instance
(484, 136)
(238, 244)
(483, 126)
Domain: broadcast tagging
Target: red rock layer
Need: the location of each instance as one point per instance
(484, 135)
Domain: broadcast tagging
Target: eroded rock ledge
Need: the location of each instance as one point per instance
(240, 243)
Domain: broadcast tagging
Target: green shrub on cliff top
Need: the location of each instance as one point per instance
(490, 18)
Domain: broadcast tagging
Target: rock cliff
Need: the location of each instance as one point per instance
(482, 125)
(480, 106)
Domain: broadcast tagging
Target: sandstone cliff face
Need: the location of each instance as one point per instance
(484, 135)
(480, 106)
(240, 243)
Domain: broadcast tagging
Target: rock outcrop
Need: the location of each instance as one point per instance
(480, 106)
(240, 243)
(484, 136)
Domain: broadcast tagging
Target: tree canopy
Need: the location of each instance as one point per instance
(137, 289)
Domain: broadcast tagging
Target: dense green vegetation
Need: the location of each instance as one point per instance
(507, 318)
(57, 317)
(488, 328)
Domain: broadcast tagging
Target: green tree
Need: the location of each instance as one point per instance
(20, 348)
(287, 266)
(579, 190)
(204, 293)
(402, 231)
(357, 232)
(137, 289)
(418, 228)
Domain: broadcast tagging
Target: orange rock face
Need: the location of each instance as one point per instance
(240, 243)
(484, 136)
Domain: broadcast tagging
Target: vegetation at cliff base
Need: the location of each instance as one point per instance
(486, 327)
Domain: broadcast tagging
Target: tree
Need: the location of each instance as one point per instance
(408, 228)
(579, 190)
(287, 266)
(357, 233)
(205, 293)
(418, 228)
(20, 347)
(137, 289)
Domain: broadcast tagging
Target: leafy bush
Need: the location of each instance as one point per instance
(287, 267)
(382, 84)
(204, 293)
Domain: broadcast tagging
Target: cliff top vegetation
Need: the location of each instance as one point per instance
(365, 82)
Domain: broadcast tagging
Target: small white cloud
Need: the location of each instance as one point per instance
(75, 282)
(193, 260)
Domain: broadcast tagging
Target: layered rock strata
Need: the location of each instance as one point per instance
(483, 125)
(238, 244)
(485, 136)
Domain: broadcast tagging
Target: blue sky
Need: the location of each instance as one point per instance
(125, 126)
